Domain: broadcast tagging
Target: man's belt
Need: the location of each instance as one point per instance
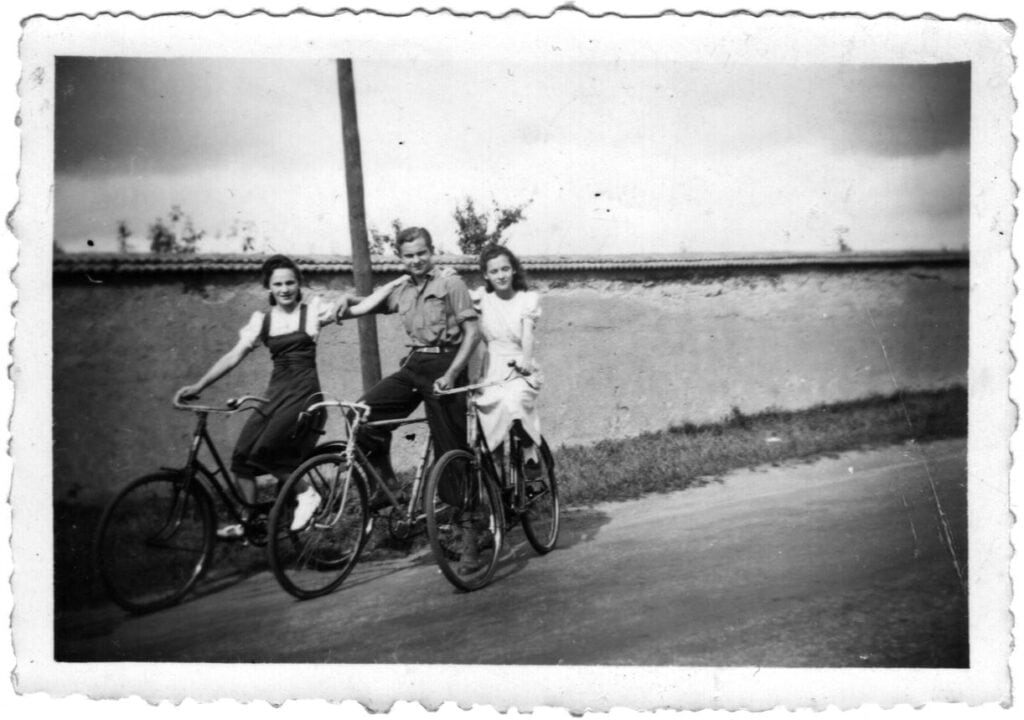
(434, 349)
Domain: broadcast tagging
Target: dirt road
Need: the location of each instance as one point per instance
(843, 562)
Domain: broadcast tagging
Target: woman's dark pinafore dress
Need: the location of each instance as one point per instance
(268, 441)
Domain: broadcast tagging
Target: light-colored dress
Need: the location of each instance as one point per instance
(501, 323)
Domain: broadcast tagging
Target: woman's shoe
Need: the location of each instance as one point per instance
(231, 532)
(305, 506)
(532, 470)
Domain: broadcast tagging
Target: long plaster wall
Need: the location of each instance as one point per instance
(623, 353)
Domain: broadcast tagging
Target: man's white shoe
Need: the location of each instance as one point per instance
(306, 504)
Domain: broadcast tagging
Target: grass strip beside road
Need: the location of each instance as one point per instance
(691, 455)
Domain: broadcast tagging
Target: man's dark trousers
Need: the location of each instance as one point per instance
(397, 395)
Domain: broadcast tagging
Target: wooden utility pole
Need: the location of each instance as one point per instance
(362, 270)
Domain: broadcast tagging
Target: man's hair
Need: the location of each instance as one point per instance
(410, 234)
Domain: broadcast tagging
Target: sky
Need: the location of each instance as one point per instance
(608, 157)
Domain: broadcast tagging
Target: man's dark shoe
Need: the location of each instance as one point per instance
(469, 558)
(380, 500)
(485, 541)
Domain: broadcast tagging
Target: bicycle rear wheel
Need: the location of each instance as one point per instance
(464, 520)
(314, 560)
(541, 515)
(154, 541)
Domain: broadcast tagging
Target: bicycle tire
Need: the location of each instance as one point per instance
(459, 499)
(541, 516)
(316, 559)
(154, 541)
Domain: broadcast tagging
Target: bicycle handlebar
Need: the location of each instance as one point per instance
(362, 408)
(470, 388)
(515, 373)
(231, 405)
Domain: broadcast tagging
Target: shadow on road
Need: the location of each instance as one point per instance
(580, 525)
(577, 525)
(86, 612)
(235, 564)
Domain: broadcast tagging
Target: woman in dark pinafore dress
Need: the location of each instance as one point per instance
(268, 442)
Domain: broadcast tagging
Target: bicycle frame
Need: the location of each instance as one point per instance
(505, 471)
(356, 418)
(219, 481)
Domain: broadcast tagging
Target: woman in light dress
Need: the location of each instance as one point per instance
(508, 311)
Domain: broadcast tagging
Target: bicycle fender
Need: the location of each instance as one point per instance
(333, 447)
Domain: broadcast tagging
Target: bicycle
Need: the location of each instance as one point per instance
(155, 538)
(474, 497)
(313, 560)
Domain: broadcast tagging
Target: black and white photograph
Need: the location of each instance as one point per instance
(572, 361)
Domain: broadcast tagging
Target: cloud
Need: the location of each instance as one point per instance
(905, 109)
(174, 115)
(301, 210)
(647, 156)
(889, 110)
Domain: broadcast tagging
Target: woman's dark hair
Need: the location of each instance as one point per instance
(278, 262)
(409, 234)
(492, 251)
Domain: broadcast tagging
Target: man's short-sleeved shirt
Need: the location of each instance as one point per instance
(434, 309)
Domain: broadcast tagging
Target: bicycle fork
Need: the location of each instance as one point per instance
(174, 514)
(511, 469)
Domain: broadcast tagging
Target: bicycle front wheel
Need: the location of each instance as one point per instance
(154, 541)
(541, 515)
(313, 557)
(464, 520)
